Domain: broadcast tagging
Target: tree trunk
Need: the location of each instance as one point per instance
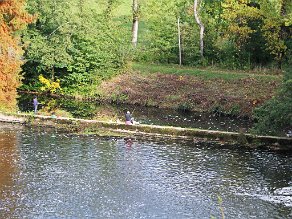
(179, 41)
(135, 23)
(201, 25)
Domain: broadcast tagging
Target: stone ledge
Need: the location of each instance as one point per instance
(84, 125)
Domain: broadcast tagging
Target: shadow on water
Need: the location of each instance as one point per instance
(145, 115)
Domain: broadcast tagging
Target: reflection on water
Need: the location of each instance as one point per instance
(9, 155)
(145, 115)
(56, 175)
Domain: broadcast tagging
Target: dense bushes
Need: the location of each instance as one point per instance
(74, 43)
(276, 114)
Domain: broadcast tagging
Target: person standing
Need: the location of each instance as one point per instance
(35, 104)
(129, 120)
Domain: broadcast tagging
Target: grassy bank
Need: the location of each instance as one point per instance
(170, 86)
(205, 73)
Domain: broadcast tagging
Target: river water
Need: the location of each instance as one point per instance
(49, 174)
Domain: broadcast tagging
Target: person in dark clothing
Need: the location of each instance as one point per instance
(35, 104)
(129, 120)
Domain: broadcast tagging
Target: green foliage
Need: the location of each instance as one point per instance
(78, 45)
(84, 42)
(160, 40)
(238, 34)
(118, 98)
(50, 106)
(184, 107)
(275, 116)
(79, 109)
(62, 113)
(277, 21)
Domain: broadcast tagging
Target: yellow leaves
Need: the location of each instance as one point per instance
(242, 31)
(288, 21)
(276, 15)
(49, 85)
(272, 31)
(239, 9)
(237, 15)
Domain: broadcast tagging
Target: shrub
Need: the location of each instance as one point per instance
(275, 116)
(49, 85)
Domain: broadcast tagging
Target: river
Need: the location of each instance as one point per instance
(49, 174)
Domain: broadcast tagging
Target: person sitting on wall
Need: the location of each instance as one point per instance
(53, 116)
(129, 120)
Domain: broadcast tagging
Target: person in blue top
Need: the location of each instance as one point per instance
(129, 120)
(35, 104)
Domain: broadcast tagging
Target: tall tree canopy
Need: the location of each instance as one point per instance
(13, 18)
(76, 41)
(238, 33)
(81, 42)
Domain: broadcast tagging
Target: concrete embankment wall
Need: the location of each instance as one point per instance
(94, 126)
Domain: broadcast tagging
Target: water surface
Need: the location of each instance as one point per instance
(48, 174)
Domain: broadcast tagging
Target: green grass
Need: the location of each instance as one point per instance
(124, 8)
(202, 73)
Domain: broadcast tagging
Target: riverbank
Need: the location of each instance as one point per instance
(84, 126)
(190, 89)
(235, 93)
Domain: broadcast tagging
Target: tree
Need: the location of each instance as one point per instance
(257, 29)
(238, 34)
(201, 25)
(13, 18)
(160, 39)
(277, 23)
(75, 42)
(237, 14)
(135, 22)
(49, 38)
